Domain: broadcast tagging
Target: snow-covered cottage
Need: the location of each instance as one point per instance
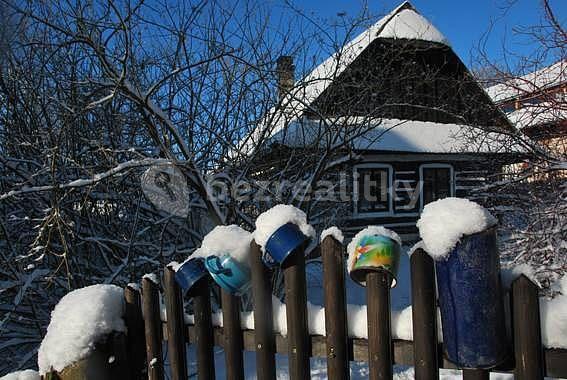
(401, 105)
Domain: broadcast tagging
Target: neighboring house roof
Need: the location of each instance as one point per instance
(393, 135)
(540, 80)
(531, 115)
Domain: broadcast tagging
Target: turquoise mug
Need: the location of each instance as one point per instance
(229, 274)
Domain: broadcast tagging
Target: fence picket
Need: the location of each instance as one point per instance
(232, 335)
(424, 316)
(175, 326)
(527, 332)
(476, 374)
(296, 313)
(204, 337)
(380, 358)
(152, 329)
(265, 339)
(135, 327)
(335, 309)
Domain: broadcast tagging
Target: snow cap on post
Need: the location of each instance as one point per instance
(444, 222)
(80, 319)
(230, 240)
(333, 231)
(269, 221)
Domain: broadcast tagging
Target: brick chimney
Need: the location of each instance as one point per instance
(286, 75)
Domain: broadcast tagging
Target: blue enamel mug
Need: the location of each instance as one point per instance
(190, 272)
(282, 243)
(228, 273)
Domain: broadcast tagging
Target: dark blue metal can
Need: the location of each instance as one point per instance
(472, 303)
(190, 272)
(283, 242)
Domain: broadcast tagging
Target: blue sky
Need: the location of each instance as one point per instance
(463, 22)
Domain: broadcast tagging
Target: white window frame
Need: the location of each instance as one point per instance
(390, 211)
(435, 166)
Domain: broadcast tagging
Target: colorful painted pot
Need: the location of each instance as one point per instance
(282, 243)
(376, 253)
(190, 272)
(228, 273)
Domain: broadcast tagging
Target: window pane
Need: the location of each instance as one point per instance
(373, 190)
(436, 184)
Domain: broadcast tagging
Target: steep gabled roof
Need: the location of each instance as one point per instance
(404, 22)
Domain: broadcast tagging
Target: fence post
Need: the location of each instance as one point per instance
(296, 315)
(380, 358)
(263, 316)
(153, 329)
(135, 338)
(232, 335)
(476, 374)
(204, 337)
(335, 309)
(527, 330)
(424, 316)
(175, 326)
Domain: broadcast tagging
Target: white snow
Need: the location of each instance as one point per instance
(80, 319)
(269, 221)
(537, 114)
(152, 277)
(370, 230)
(553, 315)
(27, 374)
(231, 240)
(394, 135)
(411, 25)
(444, 222)
(536, 81)
(335, 232)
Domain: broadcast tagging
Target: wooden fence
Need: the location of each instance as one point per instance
(528, 361)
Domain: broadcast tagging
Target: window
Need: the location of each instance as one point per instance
(436, 182)
(372, 189)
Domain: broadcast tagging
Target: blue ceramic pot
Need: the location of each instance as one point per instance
(282, 243)
(190, 272)
(471, 303)
(228, 273)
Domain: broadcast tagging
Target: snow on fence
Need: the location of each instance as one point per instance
(528, 361)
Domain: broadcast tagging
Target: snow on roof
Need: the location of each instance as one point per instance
(539, 80)
(404, 22)
(395, 135)
(537, 114)
(78, 322)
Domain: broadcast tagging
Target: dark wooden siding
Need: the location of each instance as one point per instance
(409, 79)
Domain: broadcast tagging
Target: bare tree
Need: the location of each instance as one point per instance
(531, 196)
